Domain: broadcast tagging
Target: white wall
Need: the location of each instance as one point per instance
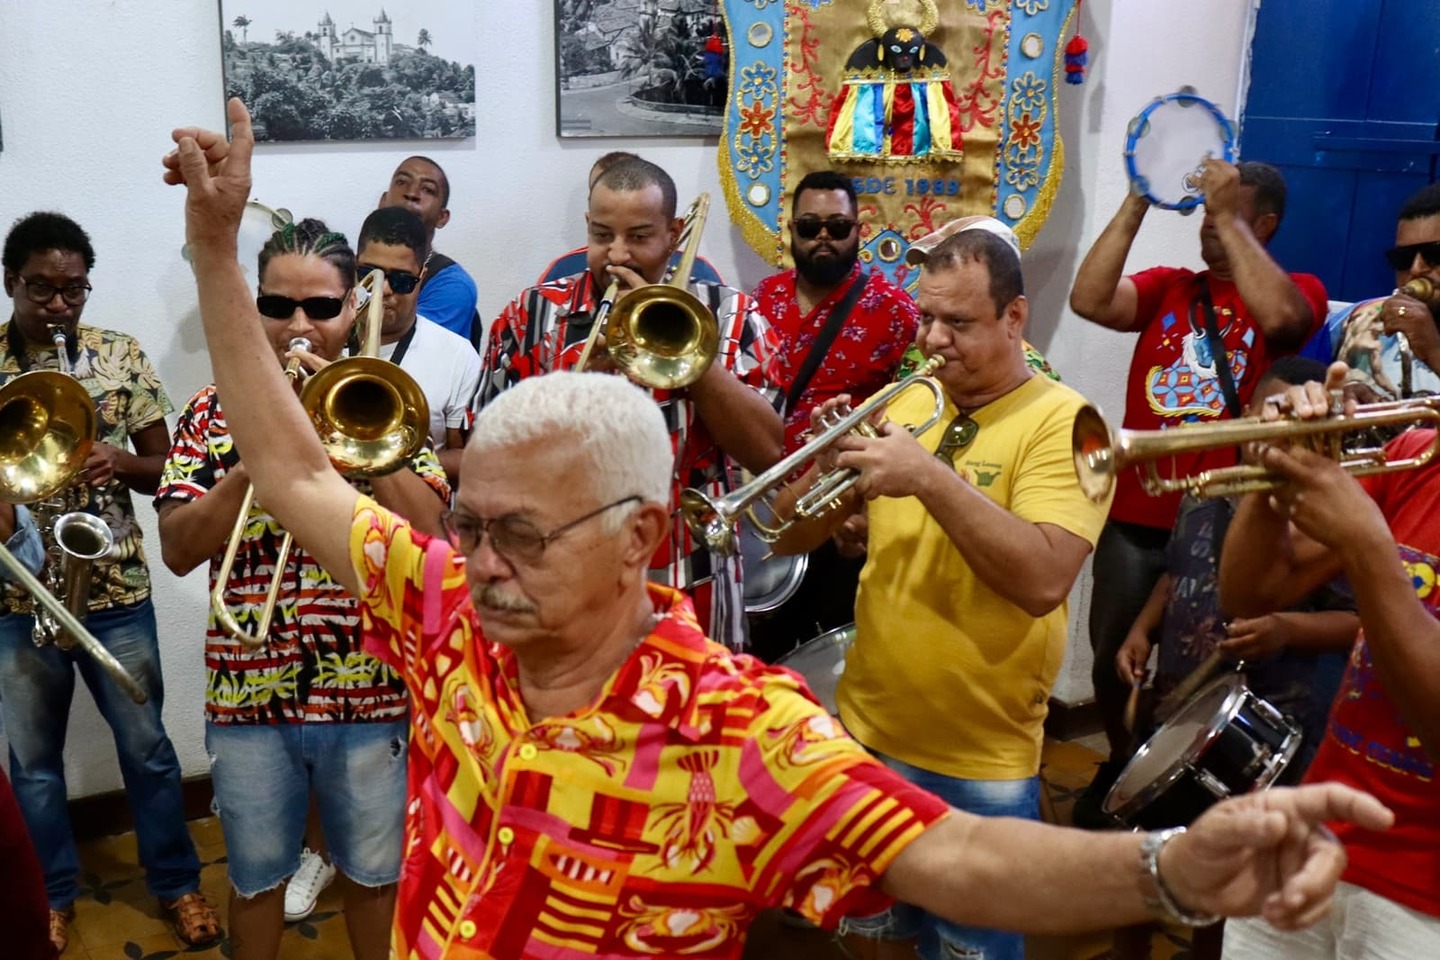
(89, 90)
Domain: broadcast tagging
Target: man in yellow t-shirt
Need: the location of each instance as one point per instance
(977, 531)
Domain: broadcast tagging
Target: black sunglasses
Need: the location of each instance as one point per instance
(808, 228)
(401, 281)
(1402, 258)
(959, 434)
(277, 307)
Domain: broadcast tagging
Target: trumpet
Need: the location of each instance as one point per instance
(660, 335)
(47, 427)
(1101, 453)
(713, 520)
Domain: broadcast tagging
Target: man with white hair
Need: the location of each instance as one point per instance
(588, 774)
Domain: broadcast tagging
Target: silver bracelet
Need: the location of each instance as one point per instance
(1159, 900)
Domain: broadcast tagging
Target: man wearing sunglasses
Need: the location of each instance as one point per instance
(589, 774)
(1367, 335)
(729, 412)
(833, 340)
(47, 263)
(977, 532)
(393, 239)
(1203, 340)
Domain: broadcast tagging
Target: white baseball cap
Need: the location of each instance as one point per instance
(919, 251)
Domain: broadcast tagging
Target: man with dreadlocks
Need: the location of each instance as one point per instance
(308, 712)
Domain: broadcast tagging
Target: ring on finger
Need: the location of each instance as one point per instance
(1400, 312)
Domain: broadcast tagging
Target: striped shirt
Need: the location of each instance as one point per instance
(697, 790)
(312, 668)
(545, 328)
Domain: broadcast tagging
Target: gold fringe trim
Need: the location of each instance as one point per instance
(1028, 226)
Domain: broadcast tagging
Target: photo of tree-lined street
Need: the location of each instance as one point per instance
(639, 68)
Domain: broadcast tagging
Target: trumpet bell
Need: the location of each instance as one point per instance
(371, 416)
(707, 521)
(1094, 451)
(662, 336)
(47, 427)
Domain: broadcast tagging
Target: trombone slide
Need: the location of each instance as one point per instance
(71, 624)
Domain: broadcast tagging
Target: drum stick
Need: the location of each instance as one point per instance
(1187, 687)
(1132, 706)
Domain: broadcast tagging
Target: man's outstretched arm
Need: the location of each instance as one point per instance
(284, 457)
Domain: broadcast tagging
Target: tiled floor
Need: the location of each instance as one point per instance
(117, 920)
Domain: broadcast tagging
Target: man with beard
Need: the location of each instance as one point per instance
(874, 321)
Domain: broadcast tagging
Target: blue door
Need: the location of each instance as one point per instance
(1345, 99)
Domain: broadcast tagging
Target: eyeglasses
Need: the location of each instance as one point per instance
(38, 291)
(1402, 258)
(401, 281)
(514, 538)
(276, 307)
(808, 228)
(959, 434)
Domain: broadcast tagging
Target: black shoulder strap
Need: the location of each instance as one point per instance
(1217, 351)
(826, 337)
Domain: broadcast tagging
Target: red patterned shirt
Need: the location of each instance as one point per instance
(697, 790)
(545, 328)
(864, 355)
(318, 674)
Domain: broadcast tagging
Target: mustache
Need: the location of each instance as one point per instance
(497, 599)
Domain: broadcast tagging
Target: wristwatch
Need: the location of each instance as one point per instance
(1158, 898)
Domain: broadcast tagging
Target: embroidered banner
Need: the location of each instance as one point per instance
(936, 108)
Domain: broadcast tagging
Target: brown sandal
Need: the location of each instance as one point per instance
(60, 928)
(195, 921)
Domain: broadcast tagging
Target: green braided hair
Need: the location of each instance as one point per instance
(311, 238)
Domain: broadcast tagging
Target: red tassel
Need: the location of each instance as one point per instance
(1076, 56)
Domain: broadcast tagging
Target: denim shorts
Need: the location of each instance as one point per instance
(264, 777)
(939, 939)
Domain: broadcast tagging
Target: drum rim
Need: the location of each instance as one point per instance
(1137, 122)
(777, 598)
(843, 628)
(1221, 718)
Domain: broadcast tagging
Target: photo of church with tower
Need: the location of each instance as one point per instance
(343, 73)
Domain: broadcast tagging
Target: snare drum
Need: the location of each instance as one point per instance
(1223, 742)
(1168, 144)
(821, 661)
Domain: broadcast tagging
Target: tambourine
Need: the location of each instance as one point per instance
(257, 225)
(1167, 146)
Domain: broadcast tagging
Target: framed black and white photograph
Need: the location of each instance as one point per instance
(639, 68)
(352, 69)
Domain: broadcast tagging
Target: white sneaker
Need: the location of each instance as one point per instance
(304, 888)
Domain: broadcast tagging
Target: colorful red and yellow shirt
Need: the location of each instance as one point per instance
(312, 668)
(545, 329)
(698, 789)
(863, 357)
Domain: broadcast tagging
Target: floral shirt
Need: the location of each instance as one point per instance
(545, 328)
(128, 398)
(864, 354)
(697, 790)
(312, 667)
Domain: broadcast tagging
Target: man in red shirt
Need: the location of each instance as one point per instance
(1180, 374)
(877, 321)
(1384, 730)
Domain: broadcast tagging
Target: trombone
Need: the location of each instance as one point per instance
(1101, 453)
(660, 335)
(713, 520)
(47, 427)
(372, 418)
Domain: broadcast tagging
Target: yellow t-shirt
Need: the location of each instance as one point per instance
(945, 674)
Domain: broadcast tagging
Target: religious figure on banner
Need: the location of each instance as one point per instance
(896, 104)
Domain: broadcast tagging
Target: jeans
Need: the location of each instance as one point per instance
(940, 939)
(36, 687)
(1129, 559)
(265, 775)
